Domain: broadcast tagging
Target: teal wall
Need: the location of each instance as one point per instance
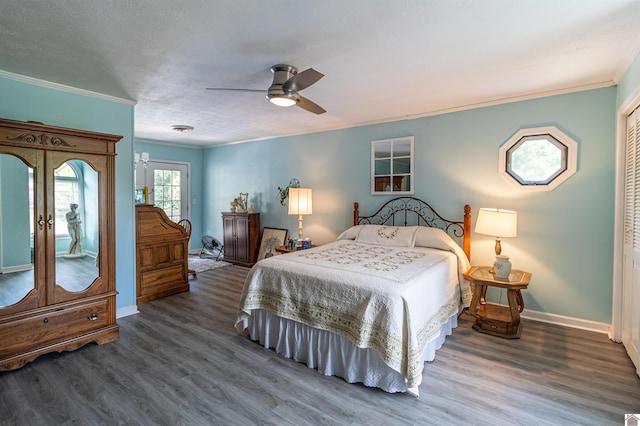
(23, 101)
(14, 216)
(88, 214)
(194, 157)
(90, 238)
(565, 237)
(629, 85)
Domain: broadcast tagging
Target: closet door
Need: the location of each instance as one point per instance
(631, 251)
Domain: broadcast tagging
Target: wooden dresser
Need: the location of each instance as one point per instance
(161, 255)
(241, 237)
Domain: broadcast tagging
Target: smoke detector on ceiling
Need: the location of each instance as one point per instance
(182, 128)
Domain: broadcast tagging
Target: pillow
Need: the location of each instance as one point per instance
(351, 233)
(397, 236)
(438, 239)
(434, 238)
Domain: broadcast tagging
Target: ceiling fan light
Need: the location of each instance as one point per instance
(283, 101)
(282, 98)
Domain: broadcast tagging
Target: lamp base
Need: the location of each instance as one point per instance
(299, 227)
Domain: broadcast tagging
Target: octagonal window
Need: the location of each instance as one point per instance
(538, 159)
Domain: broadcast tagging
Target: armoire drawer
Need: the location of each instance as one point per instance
(54, 326)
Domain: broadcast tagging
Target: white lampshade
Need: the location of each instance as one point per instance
(300, 201)
(497, 222)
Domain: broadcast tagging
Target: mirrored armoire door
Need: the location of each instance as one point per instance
(22, 271)
(75, 205)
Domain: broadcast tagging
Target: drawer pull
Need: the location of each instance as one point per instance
(46, 320)
(93, 316)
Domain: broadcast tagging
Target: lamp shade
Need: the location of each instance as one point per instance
(300, 201)
(497, 223)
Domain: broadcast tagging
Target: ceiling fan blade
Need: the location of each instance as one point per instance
(235, 90)
(310, 106)
(302, 80)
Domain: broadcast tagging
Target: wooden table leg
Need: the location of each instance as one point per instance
(478, 297)
(520, 301)
(515, 306)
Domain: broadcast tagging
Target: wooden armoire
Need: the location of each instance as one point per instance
(53, 299)
(241, 232)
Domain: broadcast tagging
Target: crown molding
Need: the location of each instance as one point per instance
(64, 88)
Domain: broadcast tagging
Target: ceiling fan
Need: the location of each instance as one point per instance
(287, 81)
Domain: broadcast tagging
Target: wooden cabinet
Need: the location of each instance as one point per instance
(57, 240)
(241, 237)
(161, 255)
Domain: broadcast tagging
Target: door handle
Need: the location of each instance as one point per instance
(41, 222)
(50, 221)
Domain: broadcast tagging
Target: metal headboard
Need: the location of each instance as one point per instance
(409, 211)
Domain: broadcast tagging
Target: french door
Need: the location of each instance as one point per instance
(630, 325)
(168, 184)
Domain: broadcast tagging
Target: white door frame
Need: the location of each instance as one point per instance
(625, 109)
(144, 177)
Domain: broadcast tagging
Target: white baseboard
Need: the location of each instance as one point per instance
(598, 327)
(126, 311)
(17, 268)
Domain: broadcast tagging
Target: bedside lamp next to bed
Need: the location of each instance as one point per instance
(300, 203)
(498, 223)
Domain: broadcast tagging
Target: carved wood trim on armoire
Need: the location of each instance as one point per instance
(51, 299)
(161, 255)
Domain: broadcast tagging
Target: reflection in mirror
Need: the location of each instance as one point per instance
(402, 148)
(76, 225)
(16, 229)
(382, 149)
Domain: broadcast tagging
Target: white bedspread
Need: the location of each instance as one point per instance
(391, 299)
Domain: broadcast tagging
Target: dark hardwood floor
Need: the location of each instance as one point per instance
(72, 274)
(181, 362)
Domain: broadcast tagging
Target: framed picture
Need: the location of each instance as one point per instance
(271, 238)
(140, 197)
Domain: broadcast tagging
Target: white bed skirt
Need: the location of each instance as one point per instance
(332, 354)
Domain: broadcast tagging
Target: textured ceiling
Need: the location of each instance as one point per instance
(383, 60)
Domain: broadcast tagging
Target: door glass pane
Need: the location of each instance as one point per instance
(76, 225)
(168, 192)
(16, 223)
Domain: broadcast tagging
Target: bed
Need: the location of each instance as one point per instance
(371, 307)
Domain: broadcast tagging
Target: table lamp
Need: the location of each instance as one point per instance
(497, 223)
(300, 203)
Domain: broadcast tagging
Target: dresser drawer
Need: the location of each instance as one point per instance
(53, 326)
(495, 326)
